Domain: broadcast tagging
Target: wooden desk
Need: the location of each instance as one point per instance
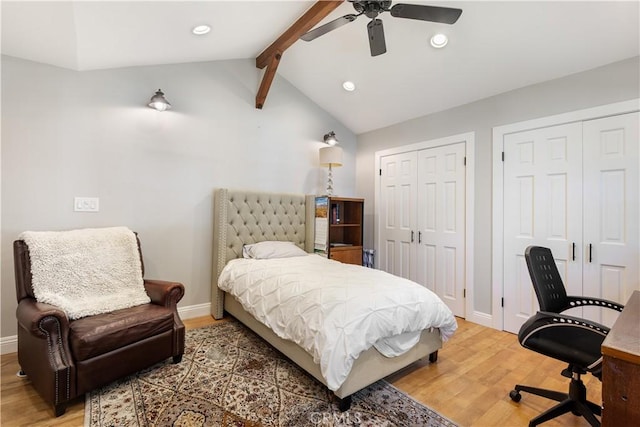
(621, 368)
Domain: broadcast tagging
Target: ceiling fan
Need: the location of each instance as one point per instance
(371, 9)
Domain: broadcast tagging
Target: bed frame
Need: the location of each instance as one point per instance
(242, 217)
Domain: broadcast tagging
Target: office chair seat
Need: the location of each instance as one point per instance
(573, 343)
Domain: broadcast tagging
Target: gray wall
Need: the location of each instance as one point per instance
(68, 133)
(612, 83)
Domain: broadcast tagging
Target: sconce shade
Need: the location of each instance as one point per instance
(331, 156)
(159, 102)
(330, 138)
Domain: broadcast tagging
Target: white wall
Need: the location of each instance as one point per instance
(612, 83)
(68, 133)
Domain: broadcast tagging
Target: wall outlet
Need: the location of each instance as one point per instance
(86, 204)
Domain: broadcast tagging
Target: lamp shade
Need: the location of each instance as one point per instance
(331, 156)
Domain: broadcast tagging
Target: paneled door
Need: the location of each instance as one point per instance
(398, 214)
(423, 217)
(542, 206)
(573, 188)
(440, 262)
(611, 213)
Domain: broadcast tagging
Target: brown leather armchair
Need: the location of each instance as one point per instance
(66, 358)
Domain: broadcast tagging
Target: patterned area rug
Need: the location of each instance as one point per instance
(231, 377)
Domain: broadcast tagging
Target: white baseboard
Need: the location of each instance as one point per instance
(480, 318)
(10, 344)
(197, 310)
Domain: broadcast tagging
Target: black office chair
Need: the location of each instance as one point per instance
(573, 340)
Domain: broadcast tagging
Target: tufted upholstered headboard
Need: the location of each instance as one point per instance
(244, 217)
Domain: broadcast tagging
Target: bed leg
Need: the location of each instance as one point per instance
(433, 357)
(344, 404)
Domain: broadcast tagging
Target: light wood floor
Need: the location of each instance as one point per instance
(469, 383)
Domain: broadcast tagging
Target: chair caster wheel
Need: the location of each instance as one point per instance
(515, 395)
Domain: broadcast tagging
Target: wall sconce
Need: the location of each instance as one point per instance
(159, 102)
(330, 138)
(330, 156)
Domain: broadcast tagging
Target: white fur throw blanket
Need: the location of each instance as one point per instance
(86, 272)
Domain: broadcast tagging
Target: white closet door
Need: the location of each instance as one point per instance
(441, 223)
(542, 206)
(611, 213)
(398, 214)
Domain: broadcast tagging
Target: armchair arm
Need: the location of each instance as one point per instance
(575, 301)
(164, 293)
(168, 294)
(39, 319)
(43, 351)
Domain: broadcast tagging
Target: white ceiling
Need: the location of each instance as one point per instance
(494, 47)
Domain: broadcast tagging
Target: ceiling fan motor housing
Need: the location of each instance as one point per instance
(371, 9)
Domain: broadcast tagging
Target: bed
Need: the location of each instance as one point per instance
(244, 217)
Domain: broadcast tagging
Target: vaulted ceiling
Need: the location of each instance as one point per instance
(494, 47)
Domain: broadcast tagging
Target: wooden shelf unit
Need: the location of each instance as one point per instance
(345, 230)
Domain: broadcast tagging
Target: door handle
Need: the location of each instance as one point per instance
(412, 236)
(573, 251)
(419, 236)
(590, 252)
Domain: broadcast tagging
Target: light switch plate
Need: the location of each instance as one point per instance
(86, 204)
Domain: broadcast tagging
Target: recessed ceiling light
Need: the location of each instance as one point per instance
(439, 41)
(201, 30)
(349, 86)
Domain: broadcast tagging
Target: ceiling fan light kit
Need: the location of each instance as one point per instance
(375, 29)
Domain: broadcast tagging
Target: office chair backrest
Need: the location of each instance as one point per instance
(546, 279)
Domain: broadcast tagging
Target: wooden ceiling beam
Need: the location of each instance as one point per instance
(267, 79)
(267, 58)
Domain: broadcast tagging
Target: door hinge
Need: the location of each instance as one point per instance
(380, 172)
(502, 302)
(503, 156)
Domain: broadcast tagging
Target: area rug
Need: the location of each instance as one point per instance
(229, 376)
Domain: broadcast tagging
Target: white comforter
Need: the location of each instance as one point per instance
(336, 311)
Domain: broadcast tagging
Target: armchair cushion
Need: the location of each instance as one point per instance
(95, 335)
(86, 272)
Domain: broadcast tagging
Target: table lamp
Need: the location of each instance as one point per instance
(330, 156)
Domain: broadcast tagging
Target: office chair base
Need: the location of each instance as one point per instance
(575, 402)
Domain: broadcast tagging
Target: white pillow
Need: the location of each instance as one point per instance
(272, 249)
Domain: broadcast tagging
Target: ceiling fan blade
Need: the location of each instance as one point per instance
(444, 15)
(376, 37)
(329, 26)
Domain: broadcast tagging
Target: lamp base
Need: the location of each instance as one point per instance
(330, 182)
